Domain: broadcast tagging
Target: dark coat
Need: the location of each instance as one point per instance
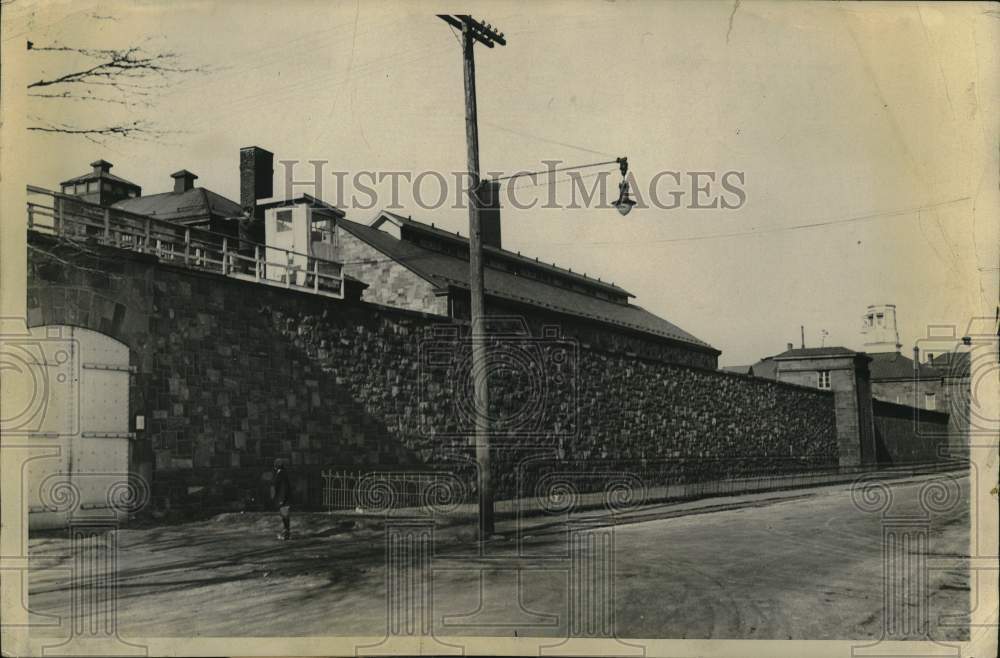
(282, 488)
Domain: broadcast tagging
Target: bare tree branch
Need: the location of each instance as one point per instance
(90, 97)
(126, 130)
(131, 62)
(133, 74)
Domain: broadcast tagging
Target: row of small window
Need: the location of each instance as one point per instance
(874, 319)
(322, 230)
(92, 186)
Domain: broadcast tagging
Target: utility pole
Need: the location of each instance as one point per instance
(473, 31)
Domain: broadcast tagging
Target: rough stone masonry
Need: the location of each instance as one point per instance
(231, 374)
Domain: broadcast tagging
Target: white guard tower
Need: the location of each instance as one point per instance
(300, 235)
(878, 325)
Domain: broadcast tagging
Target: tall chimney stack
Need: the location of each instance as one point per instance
(256, 176)
(183, 180)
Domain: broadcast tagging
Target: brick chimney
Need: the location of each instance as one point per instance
(183, 180)
(790, 347)
(489, 214)
(256, 176)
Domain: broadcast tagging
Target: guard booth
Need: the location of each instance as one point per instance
(300, 238)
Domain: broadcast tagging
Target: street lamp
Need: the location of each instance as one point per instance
(624, 203)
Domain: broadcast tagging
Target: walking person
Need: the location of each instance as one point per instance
(283, 498)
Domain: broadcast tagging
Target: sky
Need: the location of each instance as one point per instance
(866, 135)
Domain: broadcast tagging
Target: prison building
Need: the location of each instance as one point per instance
(414, 265)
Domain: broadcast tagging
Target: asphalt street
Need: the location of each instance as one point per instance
(802, 564)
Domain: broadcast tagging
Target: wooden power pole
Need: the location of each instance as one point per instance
(473, 31)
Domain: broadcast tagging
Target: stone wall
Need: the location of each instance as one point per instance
(904, 434)
(958, 406)
(230, 375)
(389, 282)
(851, 386)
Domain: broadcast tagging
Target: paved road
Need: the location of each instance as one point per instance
(805, 564)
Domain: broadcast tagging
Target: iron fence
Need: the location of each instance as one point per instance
(561, 489)
(381, 491)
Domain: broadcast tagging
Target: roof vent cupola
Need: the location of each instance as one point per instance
(101, 167)
(183, 180)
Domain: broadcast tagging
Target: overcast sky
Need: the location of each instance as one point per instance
(851, 117)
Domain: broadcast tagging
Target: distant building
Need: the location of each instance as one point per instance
(410, 264)
(955, 368)
(819, 376)
(416, 266)
(899, 379)
(894, 377)
(187, 205)
(845, 373)
(100, 186)
(400, 262)
(878, 325)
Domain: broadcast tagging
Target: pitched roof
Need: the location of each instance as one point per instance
(409, 222)
(446, 271)
(800, 352)
(104, 175)
(894, 365)
(307, 199)
(765, 368)
(177, 206)
(952, 364)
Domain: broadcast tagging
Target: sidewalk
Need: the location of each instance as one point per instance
(230, 575)
(708, 494)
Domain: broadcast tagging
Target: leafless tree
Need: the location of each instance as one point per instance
(125, 83)
(128, 77)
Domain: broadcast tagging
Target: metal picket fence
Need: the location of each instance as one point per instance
(378, 491)
(443, 491)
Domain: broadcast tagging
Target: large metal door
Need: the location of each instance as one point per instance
(86, 415)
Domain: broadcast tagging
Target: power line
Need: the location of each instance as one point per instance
(544, 139)
(765, 231)
(834, 222)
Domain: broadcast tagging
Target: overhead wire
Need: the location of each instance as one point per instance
(777, 229)
(773, 229)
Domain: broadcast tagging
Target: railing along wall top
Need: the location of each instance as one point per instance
(72, 218)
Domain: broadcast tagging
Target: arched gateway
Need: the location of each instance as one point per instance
(81, 395)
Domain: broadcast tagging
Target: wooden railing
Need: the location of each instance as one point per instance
(71, 218)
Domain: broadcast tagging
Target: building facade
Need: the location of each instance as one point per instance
(416, 266)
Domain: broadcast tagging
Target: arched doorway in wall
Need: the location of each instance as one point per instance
(81, 391)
